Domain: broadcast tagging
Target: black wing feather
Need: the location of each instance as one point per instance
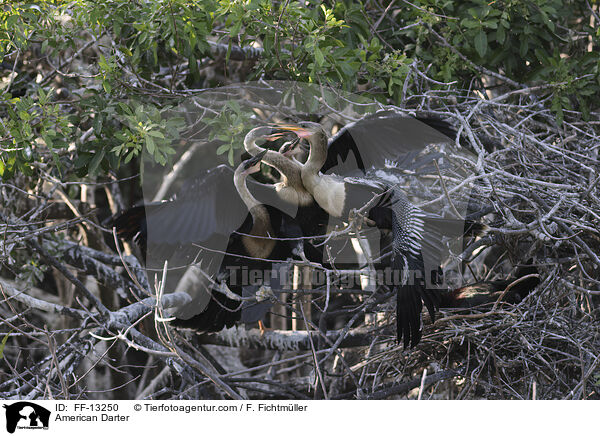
(394, 135)
(205, 206)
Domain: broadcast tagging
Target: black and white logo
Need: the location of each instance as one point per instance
(26, 415)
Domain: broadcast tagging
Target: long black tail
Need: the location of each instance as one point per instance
(408, 314)
(410, 297)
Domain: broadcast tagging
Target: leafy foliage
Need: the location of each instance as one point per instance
(89, 93)
(135, 52)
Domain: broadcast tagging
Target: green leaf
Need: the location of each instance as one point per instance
(492, 24)
(47, 139)
(347, 69)
(3, 343)
(319, 58)
(235, 106)
(481, 43)
(156, 134)
(588, 91)
(500, 35)
(469, 23)
(235, 30)
(125, 108)
(97, 124)
(524, 47)
(122, 136)
(95, 163)
(223, 148)
(160, 159)
(43, 97)
(150, 144)
(102, 62)
(559, 117)
(230, 156)
(129, 156)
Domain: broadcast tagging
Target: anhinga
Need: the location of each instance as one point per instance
(487, 292)
(290, 188)
(382, 137)
(253, 246)
(309, 215)
(232, 227)
(417, 235)
(311, 218)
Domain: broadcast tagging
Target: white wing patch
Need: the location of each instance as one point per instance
(415, 230)
(388, 163)
(409, 224)
(389, 177)
(365, 181)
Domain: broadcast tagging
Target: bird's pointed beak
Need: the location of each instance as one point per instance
(275, 136)
(289, 146)
(260, 155)
(252, 165)
(299, 131)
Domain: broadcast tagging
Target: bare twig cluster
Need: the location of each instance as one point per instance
(93, 319)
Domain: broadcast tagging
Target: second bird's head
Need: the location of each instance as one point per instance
(252, 165)
(313, 132)
(304, 129)
(291, 148)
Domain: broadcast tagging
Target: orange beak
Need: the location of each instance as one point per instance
(299, 131)
(274, 136)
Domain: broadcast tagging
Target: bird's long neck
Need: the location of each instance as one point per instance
(289, 169)
(239, 180)
(250, 144)
(315, 161)
(318, 152)
(328, 191)
(273, 159)
(261, 221)
(290, 188)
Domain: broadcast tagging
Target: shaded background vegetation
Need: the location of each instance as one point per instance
(84, 90)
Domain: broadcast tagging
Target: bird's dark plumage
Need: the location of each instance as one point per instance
(381, 137)
(208, 224)
(378, 141)
(487, 292)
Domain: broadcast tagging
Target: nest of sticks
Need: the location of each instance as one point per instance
(540, 183)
